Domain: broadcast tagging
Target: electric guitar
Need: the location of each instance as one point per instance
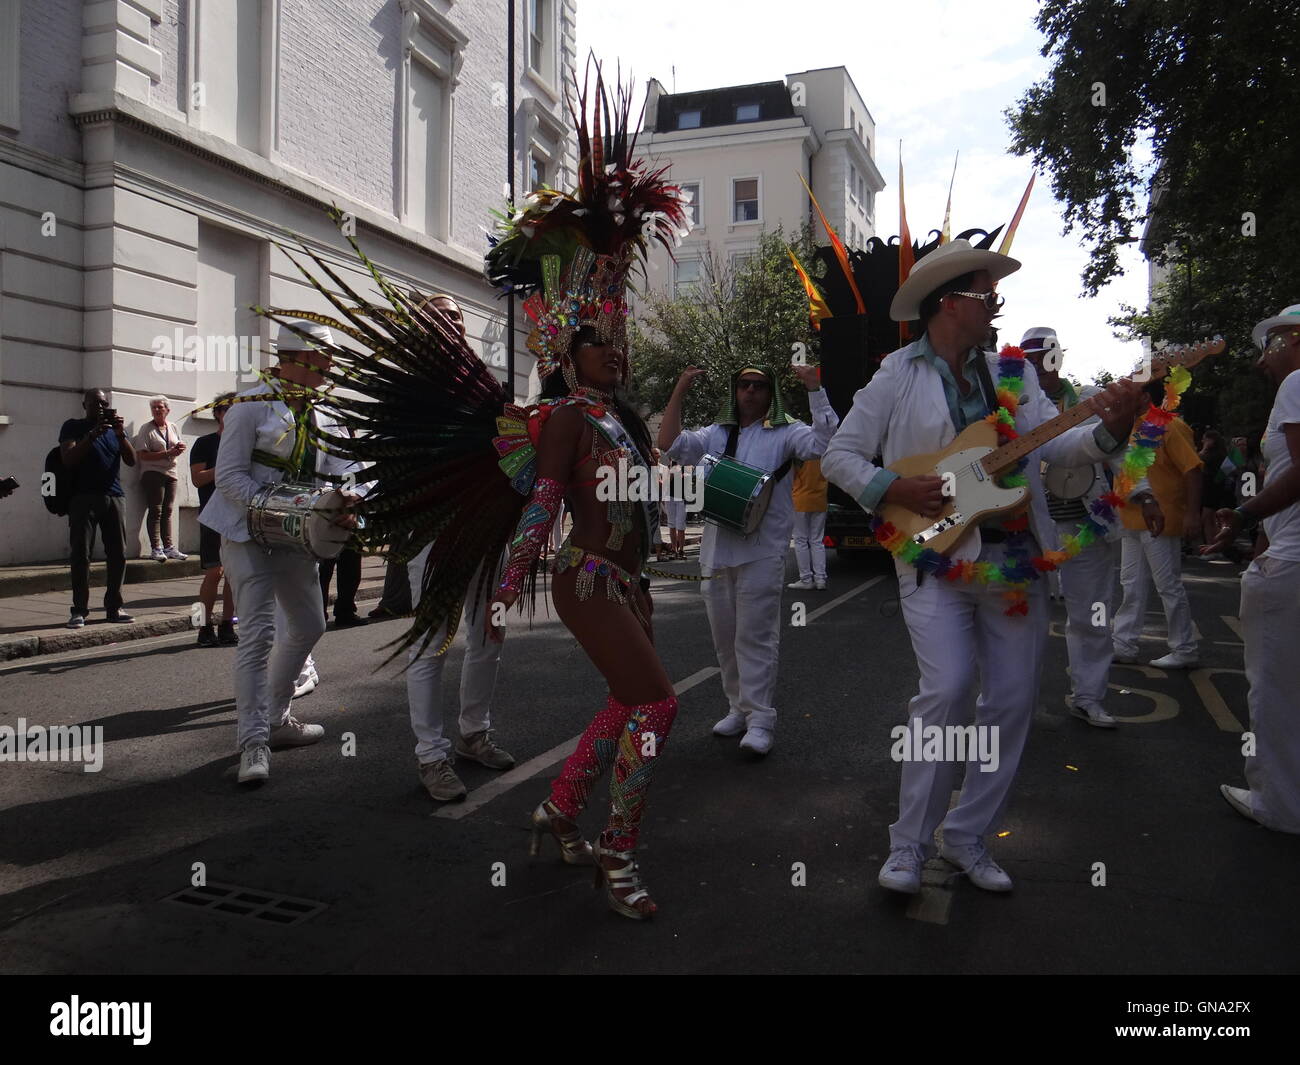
(971, 464)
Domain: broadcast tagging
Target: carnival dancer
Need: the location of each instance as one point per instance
(743, 593)
(454, 463)
(478, 671)
(268, 437)
(1270, 590)
(916, 402)
(1089, 581)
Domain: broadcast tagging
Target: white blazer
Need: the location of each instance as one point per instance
(902, 411)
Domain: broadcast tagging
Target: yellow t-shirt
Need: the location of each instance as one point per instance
(809, 487)
(1174, 457)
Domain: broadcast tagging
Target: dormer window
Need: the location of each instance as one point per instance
(747, 112)
(688, 119)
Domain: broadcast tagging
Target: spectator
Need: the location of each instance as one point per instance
(1216, 485)
(810, 525)
(675, 508)
(158, 443)
(203, 472)
(1175, 479)
(93, 449)
(348, 565)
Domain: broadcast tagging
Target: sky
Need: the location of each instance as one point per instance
(936, 73)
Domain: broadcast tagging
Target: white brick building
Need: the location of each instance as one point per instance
(152, 150)
(740, 151)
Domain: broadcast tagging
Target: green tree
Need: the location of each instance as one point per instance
(753, 312)
(1172, 122)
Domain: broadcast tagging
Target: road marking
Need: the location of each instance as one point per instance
(1218, 709)
(842, 599)
(1234, 623)
(937, 877)
(142, 645)
(484, 794)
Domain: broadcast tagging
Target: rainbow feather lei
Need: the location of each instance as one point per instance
(1018, 568)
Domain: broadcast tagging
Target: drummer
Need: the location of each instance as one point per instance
(743, 598)
(267, 441)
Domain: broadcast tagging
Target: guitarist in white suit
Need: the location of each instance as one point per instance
(1088, 581)
(917, 402)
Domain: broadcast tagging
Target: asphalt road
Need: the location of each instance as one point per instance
(88, 860)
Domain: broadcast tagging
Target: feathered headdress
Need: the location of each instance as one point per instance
(570, 254)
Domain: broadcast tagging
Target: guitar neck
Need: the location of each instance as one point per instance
(1011, 453)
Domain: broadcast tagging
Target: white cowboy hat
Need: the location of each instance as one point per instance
(1041, 338)
(946, 262)
(1290, 316)
(288, 340)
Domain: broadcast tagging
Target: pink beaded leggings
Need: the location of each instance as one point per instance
(632, 739)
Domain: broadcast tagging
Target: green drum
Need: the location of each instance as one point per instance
(736, 496)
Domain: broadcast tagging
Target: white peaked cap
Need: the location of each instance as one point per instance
(288, 340)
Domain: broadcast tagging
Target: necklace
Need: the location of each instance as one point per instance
(590, 392)
(1018, 569)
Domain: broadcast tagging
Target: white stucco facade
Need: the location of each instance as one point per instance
(152, 153)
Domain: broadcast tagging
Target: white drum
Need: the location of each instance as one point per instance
(298, 518)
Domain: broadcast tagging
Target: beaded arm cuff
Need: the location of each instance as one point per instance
(531, 533)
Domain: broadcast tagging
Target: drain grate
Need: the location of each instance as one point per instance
(247, 902)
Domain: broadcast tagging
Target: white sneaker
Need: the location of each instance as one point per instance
(172, 552)
(902, 870)
(295, 733)
(1175, 660)
(976, 862)
(801, 584)
(159, 555)
(1239, 800)
(304, 685)
(757, 740)
(254, 764)
(1094, 715)
(731, 725)
(820, 585)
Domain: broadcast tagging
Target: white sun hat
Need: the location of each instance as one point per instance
(1041, 338)
(946, 262)
(1290, 316)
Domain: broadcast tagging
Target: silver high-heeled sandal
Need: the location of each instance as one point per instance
(624, 878)
(573, 848)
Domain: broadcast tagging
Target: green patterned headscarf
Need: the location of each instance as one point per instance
(776, 412)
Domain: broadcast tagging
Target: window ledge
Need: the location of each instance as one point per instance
(535, 79)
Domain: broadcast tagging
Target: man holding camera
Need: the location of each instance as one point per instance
(93, 449)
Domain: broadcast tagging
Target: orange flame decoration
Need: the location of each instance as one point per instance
(817, 309)
(841, 253)
(1005, 247)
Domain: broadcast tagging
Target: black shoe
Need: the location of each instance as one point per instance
(207, 637)
(121, 617)
(348, 621)
(226, 636)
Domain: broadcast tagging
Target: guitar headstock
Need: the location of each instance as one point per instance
(1186, 355)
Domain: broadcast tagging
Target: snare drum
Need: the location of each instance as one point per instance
(736, 496)
(299, 519)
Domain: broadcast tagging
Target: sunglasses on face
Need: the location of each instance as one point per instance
(1280, 340)
(760, 386)
(991, 300)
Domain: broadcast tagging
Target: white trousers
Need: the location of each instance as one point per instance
(1270, 621)
(960, 631)
(744, 608)
(1160, 557)
(809, 550)
(478, 675)
(264, 681)
(1089, 586)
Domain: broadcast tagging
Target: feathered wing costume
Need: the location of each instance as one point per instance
(449, 457)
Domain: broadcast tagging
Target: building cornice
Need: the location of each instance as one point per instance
(43, 163)
(97, 109)
(675, 141)
(875, 180)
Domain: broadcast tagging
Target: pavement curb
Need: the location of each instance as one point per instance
(27, 645)
(58, 578)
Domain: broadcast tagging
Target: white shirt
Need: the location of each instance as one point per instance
(1282, 528)
(902, 411)
(265, 426)
(765, 449)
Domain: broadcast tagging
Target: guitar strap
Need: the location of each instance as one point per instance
(733, 438)
(986, 384)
